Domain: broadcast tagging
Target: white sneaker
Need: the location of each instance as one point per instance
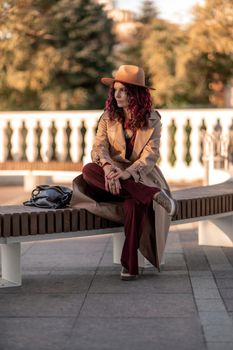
(126, 276)
(167, 202)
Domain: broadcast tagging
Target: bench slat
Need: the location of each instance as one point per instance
(16, 225)
(66, 220)
(50, 218)
(58, 221)
(24, 224)
(41, 223)
(74, 220)
(33, 223)
(7, 231)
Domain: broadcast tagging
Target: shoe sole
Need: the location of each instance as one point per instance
(129, 278)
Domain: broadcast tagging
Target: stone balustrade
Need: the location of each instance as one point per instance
(67, 136)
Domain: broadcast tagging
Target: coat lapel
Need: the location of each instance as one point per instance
(117, 134)
(142, 137)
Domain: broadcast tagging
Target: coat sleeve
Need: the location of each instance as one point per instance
(149, 155)
(100, 150)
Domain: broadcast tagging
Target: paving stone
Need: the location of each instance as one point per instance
(216, 256)
(229, 254)
(196, 259)
(41, 305)
(210, 305)
(175, 260)
(223, 274)
(218, 333)
(189, 236)
(201, 274)
(34, 333)
(56, 261)
(224, 282)
(58, 282)
(229, 304)
(137, 334)
(226, 293)
(173, 244)
(146, 283)
(207, 283)
(203, 293)
(215, 318)
(124, 305)
(221, 267)
(220, 346)
(173, 273)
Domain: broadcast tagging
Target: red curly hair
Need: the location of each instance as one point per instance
(140, 105)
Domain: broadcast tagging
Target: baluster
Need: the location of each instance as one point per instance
(202, 133)
(230, 145)
(9, 133)
(16, 139)
(83, 131)
(2, 140)
(217, 146)
(45, 139)
(23, 135)
(89, 139)
(31, 140)
(60, 139)
(68, 132)
(38, 133)
(187, 144)
(53, 133)
(76, 140)
(172, 143)
(179, 171)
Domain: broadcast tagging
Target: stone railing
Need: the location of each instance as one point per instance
(67, 137)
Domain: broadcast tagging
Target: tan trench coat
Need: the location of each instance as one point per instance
(109, 146)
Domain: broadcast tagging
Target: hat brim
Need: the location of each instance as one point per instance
(110, 81)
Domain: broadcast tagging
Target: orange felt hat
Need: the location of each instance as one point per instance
(128, 74)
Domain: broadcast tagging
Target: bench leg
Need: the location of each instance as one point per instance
(11, 265)
(118, 242)
(216, 232)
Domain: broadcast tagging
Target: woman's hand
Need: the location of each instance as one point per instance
(118, 174)
(111, 184)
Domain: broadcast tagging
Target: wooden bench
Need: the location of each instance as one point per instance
(211, 205)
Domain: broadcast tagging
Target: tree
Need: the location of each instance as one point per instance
(148, 12)
(209, 63)
(192, 66)
(56, 51)
(159, 52)
(132, 53)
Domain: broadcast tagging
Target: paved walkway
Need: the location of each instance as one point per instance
(72, 297)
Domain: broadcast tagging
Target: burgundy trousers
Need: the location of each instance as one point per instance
(136, 199)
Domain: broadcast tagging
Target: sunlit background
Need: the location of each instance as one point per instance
(53, 54)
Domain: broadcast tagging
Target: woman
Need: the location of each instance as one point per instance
(124, 173)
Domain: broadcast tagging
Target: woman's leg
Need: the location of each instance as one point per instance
(136, 198)
(93, 174)
(134, 215)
